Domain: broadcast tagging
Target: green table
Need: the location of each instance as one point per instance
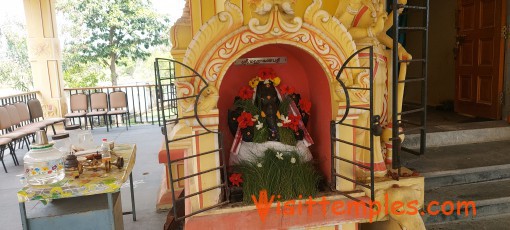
(89, 183)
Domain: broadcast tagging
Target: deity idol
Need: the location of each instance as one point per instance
(367, 21)
(265, 116)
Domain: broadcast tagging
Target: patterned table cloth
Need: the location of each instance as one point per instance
(89, 182)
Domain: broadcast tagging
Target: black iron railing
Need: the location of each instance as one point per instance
(334, 139)
(418, 83)
(19, 97)
(141, 99)
(165, 74)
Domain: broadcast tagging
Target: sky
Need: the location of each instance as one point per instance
(14, 9)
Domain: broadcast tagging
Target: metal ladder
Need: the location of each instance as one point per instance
(398, 118)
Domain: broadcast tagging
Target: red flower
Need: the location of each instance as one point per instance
(305, 105)
(294, 122)
(266, 74)
(235, 179)
(245, 120)
(246, 93)
(285, 89)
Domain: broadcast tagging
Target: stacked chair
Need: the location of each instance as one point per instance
(12, 132)
(36, 115)
(19, 122)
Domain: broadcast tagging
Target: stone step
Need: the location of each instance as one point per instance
(491, 198)
(465, 176)
(460, 157)
(462, 134)
(499, 222)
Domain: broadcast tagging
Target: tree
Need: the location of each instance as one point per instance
(112, 32)
(15, 70)
(77, 74)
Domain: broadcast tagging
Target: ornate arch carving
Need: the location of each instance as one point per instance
(225, 38)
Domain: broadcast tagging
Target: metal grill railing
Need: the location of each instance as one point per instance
(333, 125)
(168, 102)
(19, 97)
(141, 99)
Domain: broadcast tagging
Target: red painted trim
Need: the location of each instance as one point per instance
(197, 145)
(174, 154)
(359, 15)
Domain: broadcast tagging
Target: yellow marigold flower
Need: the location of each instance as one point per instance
(254, 82)
(276, 81)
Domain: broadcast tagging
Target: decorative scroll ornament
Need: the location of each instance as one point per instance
(276, 24)
(211, 32)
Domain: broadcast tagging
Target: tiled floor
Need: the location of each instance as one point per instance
(146, 175)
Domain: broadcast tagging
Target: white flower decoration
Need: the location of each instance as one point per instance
(259, 165)
(284, 119)
(293, 160)
(259, 125)
(279, 155)
(255, 118)
(279, 124)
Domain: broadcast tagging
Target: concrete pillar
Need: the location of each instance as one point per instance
(45, 55)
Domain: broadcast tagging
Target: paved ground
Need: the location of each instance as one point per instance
(146, 175)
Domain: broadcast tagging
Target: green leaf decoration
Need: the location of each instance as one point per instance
(287, 136)
(283, 177)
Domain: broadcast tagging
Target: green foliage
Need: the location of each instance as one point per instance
(248, 106)
(114, 32)
(278, 176)
(15, 70)
(286, 135)
(285, 105)
(260, 136)
(82, 75)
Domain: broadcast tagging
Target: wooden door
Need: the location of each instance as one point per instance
(479, 62)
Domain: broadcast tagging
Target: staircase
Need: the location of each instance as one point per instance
(470, 162)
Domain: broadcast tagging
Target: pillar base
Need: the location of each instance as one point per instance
(164, 202)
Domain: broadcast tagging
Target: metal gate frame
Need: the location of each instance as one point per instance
(333, 124)
(167, 99)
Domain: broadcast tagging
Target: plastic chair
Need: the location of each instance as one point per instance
(119, 106)
(8, 137)
(99, 108)
(79, 107)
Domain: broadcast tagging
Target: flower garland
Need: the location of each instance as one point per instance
(252, 121)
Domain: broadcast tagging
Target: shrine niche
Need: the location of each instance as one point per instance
(283, 109)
